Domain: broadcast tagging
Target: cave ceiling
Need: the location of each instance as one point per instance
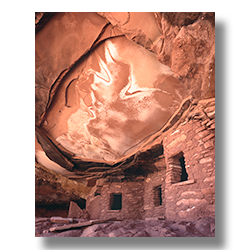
(102, 94)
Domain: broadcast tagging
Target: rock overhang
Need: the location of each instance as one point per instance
(104, 97)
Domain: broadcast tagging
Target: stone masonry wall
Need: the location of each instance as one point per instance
(189, 200)
(153, 180)
(132, 200)
(195, 138)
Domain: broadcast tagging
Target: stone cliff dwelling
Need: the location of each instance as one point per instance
(125, 115)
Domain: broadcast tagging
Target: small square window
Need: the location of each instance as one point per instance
(116, 202)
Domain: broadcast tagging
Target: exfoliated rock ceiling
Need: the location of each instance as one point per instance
(106, 82)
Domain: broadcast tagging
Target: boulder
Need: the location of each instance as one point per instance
(90, 230)
(180, 227)
(205, 225)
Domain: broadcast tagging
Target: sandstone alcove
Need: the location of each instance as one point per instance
(125, 116)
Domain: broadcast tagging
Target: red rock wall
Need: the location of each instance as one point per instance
(194, 198)
(185, 41)
(189, 49)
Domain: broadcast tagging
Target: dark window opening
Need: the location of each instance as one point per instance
(157, 196)
(177, 168)
(184, 175)
(116, 202)
(81, 203)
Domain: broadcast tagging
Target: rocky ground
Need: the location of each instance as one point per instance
(204, 227)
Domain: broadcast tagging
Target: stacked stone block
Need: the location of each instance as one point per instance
(132, 200)
(152, 181)
(189, 200)
(195, 138)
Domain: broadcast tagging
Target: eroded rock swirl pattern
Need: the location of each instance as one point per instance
(116, 97)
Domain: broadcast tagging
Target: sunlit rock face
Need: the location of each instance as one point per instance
(112, 100)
